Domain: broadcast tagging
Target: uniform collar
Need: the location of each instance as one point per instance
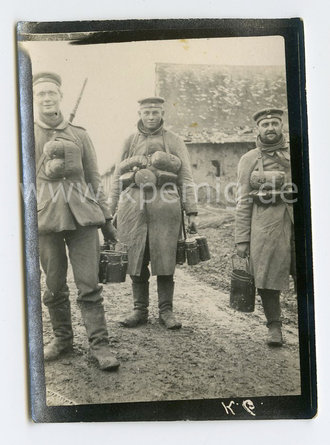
(61, 126)
(146, 132)
(272, 148)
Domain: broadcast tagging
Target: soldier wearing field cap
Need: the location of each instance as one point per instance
(264, 215)
(145, 193)
(71, 207)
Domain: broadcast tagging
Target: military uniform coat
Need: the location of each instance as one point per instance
(152, 213)
(268, 228)
(77, 197)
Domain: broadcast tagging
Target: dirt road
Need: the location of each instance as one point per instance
(218, 353)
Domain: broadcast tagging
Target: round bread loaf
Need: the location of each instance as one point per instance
(145, 177)
(272, 179)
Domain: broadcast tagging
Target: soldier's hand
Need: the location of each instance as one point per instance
(192, 225)
(109, 232)
(243, 249)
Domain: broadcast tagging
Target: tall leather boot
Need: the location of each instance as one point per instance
(141, 302)
(60, 317)
(271, 304)
(95, 324)
(165, 288)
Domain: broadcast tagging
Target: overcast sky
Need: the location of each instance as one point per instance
(121, 73)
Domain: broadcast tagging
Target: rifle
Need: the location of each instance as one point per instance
(73, 113)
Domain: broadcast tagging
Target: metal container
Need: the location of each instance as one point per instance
(192, 252)
(113, 266)
(105, 246)
(242, 289)
(103, 265)
(181, 252)
(203, 248)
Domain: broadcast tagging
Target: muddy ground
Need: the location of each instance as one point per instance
(218, 353)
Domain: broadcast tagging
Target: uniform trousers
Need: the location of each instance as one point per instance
(145, 273)
(83, 248)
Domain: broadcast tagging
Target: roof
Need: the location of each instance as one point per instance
(214, 103)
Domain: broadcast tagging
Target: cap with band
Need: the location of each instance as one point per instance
(47, 77)
(268, 113)
(151, 102)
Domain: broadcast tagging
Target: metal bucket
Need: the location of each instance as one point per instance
(242, 289)
(181, 252)
(105, 246)
(203, 248)
(103, 264)
(192, 252)
(113, 266)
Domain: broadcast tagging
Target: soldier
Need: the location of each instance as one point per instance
(154, 165)
(71, 207)
(264, 215)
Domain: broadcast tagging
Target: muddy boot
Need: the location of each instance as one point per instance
(165, 288)
(60, 317)
(271, 304)
(141, 302)
(274, 337)
(95, 324)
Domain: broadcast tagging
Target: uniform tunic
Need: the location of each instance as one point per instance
(70, 209)
(78, 196)
(156, 213)
(268, 228)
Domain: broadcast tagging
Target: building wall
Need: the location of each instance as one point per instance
(216, 165)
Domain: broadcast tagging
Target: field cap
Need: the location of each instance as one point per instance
(151, 102)
(47, 77)
(268, 113)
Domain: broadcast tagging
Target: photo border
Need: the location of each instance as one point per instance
(275, 407)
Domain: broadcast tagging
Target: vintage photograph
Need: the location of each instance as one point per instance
(166, 228)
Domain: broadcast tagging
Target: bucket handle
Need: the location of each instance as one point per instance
(247, 261)
(113, 245)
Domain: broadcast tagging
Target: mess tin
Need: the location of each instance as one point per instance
(203, 248)
(113, 264)
(181, 252)
(192, 251)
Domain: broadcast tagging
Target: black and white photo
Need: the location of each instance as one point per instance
(169, 203)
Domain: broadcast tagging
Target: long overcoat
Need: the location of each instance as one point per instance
(268, 228)
(154, 214)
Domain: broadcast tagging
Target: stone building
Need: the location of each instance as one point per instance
(214, 167)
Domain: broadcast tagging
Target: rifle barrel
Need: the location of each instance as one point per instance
(73, 113)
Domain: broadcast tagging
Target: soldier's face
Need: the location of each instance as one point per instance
(151, 117)
(47, 97)
(270, 130)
